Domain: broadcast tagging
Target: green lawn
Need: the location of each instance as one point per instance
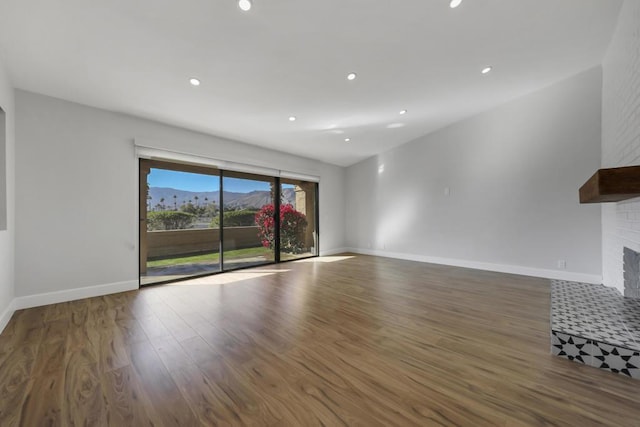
(210, 258)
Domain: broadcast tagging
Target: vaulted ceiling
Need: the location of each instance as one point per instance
(291, 58)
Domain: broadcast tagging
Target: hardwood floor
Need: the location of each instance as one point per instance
(351, 340)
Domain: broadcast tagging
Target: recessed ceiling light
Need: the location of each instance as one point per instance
(244, 5)
(347, 140)
(194, 81)
(292, 118)
(485, 70)
(351, 76)
(454, 3)
(403, 111)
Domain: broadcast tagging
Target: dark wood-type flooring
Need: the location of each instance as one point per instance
(352, 340)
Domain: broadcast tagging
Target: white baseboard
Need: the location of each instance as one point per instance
(333, 251)
(73, 294)
(6, 316)
(94, 291)
(501, 268)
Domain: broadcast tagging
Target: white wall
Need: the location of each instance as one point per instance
(7, 235)
(513, 174)
(621, 138)
(77, 184)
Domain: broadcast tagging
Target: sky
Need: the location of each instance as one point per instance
(199, 183)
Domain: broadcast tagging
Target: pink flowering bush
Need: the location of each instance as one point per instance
(292, 224)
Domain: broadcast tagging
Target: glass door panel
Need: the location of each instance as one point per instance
(247, 220)
(298, 230)
(180, 234)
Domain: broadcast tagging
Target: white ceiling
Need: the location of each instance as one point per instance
(291, 57)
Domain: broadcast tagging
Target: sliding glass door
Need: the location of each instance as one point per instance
(197, 220)
(247, 220)
(179, 227)
(298, 228)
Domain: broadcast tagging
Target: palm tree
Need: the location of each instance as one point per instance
(272, 191)
(162, 203)
(196, 199)
(175, 202)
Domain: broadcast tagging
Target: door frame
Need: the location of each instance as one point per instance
(144, 168)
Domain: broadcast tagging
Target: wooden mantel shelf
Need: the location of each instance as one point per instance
(611, 185)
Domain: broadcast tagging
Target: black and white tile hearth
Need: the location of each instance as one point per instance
(616, 359)
(596, 326)
(570, 347)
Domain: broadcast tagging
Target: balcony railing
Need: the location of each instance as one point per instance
(171, 243)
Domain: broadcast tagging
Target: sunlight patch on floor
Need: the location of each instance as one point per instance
(327, 258)
(227, 277)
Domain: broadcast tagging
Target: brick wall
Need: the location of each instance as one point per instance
(621, 138)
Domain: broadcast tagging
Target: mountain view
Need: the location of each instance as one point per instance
(254, 199)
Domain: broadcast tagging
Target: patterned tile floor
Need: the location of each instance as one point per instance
(595, 325)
